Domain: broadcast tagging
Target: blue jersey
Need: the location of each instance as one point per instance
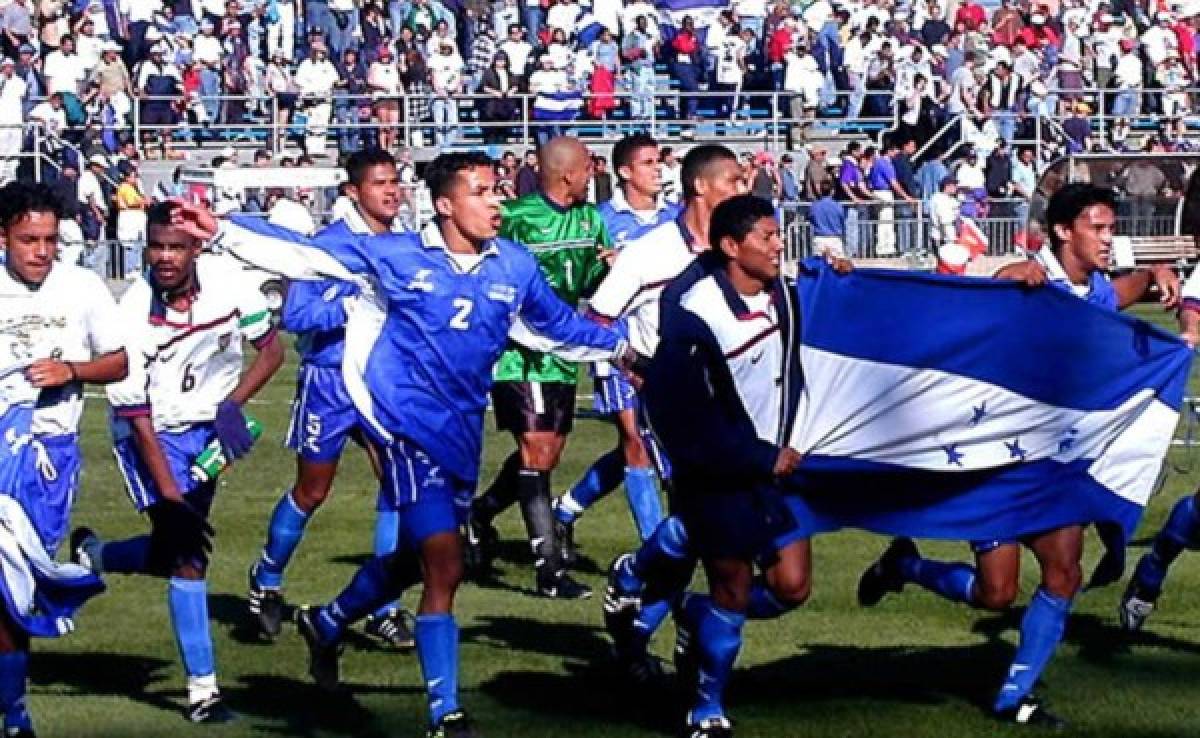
(313, 310)
(426, 370)
(623, 222)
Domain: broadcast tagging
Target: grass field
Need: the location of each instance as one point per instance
(914, 666)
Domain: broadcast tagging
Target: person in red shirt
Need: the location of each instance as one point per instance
(685, 62)
(971, 15)
(1185, 34)
(1038, 33)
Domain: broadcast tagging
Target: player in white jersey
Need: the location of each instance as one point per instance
(63, 317)
(186, 388)
(632, 291)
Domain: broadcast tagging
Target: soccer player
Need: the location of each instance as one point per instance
(636, 207)
(452, 293)
(642, 272)
(1080, 222)
(1182, 529)
(722, 393)
(323, 416)
(66, 316)
(186, 323)
(534, 393)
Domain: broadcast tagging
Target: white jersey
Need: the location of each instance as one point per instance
(183, 364)
(634, 286)
(72, 317)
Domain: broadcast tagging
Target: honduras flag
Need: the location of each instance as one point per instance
(557, 106)
(975, 409)
(703, 12)
(587, 29)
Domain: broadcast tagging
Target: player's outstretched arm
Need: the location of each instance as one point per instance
(548, 315)
(266, 362)
(316, 306)
(1132, 287)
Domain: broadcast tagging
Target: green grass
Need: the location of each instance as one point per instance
(914, 666)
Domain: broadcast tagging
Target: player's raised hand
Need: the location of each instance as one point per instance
(787, 461)
(1167, 282)
(197, 220)
(840, 264)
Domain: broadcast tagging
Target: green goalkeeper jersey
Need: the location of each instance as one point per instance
(566, 243)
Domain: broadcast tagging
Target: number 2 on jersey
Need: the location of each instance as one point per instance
(459, 321)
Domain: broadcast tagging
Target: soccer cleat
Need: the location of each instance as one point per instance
(621, 608)
(453, 725)
(884, 575)
(642, 670)
(713, 727)
(211, 710)
(618, 599)
(479, 545)
(566, 541)
(322, 657)
(561, 586)
(1031, 711)
(391, 630)
(266, 607)
(1136, 606)
(83, 546)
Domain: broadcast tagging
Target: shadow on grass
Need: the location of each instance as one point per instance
(1099, 639)
(108, 674)
(294, 707)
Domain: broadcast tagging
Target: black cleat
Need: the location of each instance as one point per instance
(884, 575)
(684, 656)
(84, 543)
(621, 608)
(480, 539)
(322, 657)
(391, 630)
(453, 725)
(211, 710)
(266, 607)
(560, 586)
(1031, 711)
(713, 727)
(1136, 605)
(642, 670)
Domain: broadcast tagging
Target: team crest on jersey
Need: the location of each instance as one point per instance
(420, 281)
(502, 293)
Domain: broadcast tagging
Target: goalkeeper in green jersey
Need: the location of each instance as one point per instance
(534, 392)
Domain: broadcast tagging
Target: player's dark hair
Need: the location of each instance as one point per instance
(1071, 200)
(441, 172)
(360, 161)
(735, 218)
(696, 163)
(623, 150)
(159, 213)
(18, 199)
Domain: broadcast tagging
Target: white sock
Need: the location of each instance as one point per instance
(201, 688)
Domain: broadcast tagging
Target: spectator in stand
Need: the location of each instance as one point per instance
(518, 51)
(751, 14)
(207, 47)
(881, 178)
(416, 83)
(1007, 23)
(281, 85)
(827, 217)
(997, 178)
(130, 204)
(88, 46)
(971, 16)
(764, 177)
(815, 173)
(1173, 77)
(638, 49)
(1078, 128)
(527, 174)
(383, 82)
(790, 186)
(445, 76)
(17, 24)
(672, 175)
(853, 191)
(112, 79)
(1024, 182)
(686, 66)
(502, 105)
(281, 28)
(12, 100)
(483, 53)
(352, 102)
(315, 78)
(160, 85)
(92, 201)
(601, 185)
(1001, 99)
(944, 214)
(63, 70)
(730, 72)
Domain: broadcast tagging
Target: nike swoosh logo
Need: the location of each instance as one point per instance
(756, 359)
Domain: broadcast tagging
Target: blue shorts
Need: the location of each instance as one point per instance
(181, 449)
(752, 525)
(429, 502)
(982, 547)
(323, 415)
(613, 394)
(46, 490)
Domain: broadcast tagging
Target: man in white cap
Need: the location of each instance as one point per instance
(1159, 40)
(12, 98)
(207, 47)
(114, 79)
(315, 77)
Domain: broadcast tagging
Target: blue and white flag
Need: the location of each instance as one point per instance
(974, 409)
(557, 106)
(703, 12)
(587, 29)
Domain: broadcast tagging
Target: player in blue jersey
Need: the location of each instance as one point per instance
(61, 320)
(423, 372)
(1080, 222)
(323, 416)
(186, 323)
(635, 208)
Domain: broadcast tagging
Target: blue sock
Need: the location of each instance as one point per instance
(602, 477)
(370, 588)
(437, 649)
(387, 535)
(647, 622)
(1182, 530)
(283, 536)
(14, 668)
(954, 581)
(764, 605)
(718, 640)
(642, 491)
(187, 599)
(1041, 630)
(130, 556)
(667, 545)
